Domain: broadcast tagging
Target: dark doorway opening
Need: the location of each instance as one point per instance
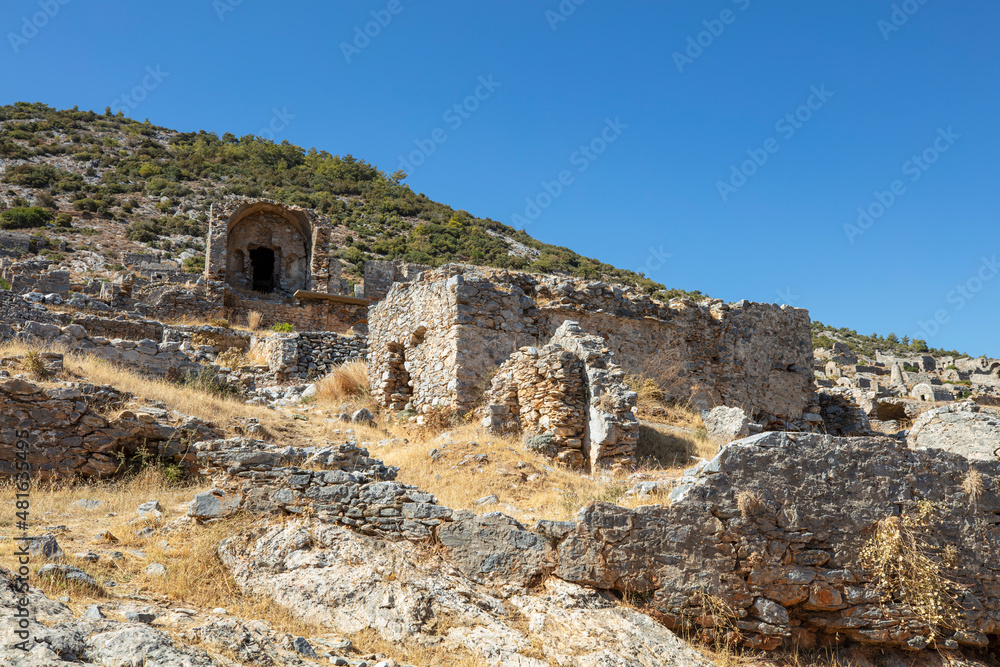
(262, 266)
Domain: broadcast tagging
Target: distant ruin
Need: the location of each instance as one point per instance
(436, 340)
(269, 247)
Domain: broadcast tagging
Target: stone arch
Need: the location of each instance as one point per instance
(262, 229)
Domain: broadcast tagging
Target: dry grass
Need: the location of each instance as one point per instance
(370, 642)
(749, 502)
(972, 485)
(190, 401)
(728, 657)
(195, 576)
(346, 382)
(470, 466)
(907, 569)
(671, 447)
(253, 319)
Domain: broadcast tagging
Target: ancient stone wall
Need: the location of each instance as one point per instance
(309, 354)
(338, 484)
(219, 339)
(381, 275)
(14, 309)
(413, 339)
(35, 275)
(758, 356)
(571, 391)
(306, 315)
(144, 356)
(773, 527)
(129, 329)
(14, 245)
(68, 435)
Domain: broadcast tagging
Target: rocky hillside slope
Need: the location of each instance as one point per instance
(107, 185)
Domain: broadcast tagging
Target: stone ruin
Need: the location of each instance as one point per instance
(268, 247)
(892, 390)
(572, 395)
(277, 259)
(433, 340)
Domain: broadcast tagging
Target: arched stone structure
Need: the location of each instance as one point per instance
(262, 245)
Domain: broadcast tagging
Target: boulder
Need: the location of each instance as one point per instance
(214, 504)
(725, 424)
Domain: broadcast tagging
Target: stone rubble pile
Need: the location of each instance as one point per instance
(70, 436)
(571, 391)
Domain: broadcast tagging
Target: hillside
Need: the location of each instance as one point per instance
(137, 186)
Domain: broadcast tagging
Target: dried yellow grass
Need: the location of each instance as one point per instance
(749, 502)
(190, 401)
(253, 319)
(972, 485)
(345, 382)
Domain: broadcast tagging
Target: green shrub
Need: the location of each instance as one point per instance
(64, 220)
(194, 264)
(4, 284)
(822, 341)
(282, 327)
(25, 218)
(86, 204)
(33, 176)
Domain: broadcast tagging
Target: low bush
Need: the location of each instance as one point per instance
(25, 218)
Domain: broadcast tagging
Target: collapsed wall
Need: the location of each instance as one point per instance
(436, 338)
(570, 393)
(309, 354)
(65, 431)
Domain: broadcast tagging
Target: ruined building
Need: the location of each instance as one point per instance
(268, 247)
(437, 340)
(277, 259)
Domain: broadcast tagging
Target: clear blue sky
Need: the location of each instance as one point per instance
(652, 199)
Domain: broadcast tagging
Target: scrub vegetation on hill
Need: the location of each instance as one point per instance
(138, 166)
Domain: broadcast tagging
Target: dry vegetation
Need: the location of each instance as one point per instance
(347, 382)
(466, 466)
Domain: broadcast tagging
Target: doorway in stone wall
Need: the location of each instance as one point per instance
(262, 269)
